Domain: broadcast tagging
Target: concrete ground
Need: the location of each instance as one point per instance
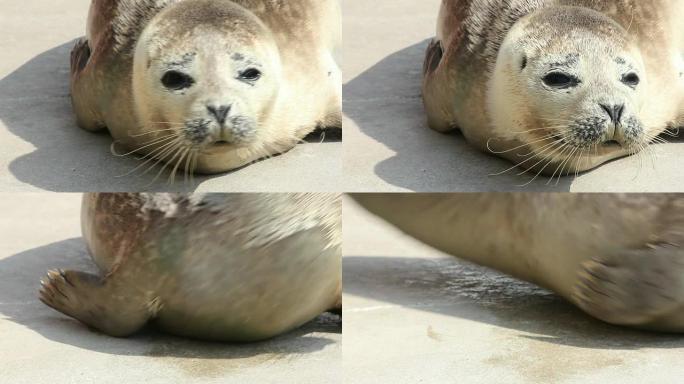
(388, 146)
(39, 344)
(414, 315)
(43, 149)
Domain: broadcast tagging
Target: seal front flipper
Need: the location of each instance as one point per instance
(433, 56)
(80, 55)
(105, 304)
(82, 89)
(436, 87)
(635, 287)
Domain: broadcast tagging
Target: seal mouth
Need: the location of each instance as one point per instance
(611, 144)
(221, 143)
(222, 146)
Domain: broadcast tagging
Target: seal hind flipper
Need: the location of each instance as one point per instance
(633, 287)
(104, 304)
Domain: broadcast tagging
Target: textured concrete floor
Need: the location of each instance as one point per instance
(414, 315)
(40, 345)
(388, 146)
(43, 149)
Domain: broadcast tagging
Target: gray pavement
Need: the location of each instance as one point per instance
(388, 146)
(39, 344)
(43, 149)
(414, 315)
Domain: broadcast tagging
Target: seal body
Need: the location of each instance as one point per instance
(618, 257)
(556, 86)
(222, 267)
(208, 85)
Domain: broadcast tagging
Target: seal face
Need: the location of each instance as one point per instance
(617, 257)
(556, 86)
(208, 85)
(214, 85)
(232, 267)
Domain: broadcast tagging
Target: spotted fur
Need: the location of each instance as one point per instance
(301, 34)
(131, 17)
(470, 85)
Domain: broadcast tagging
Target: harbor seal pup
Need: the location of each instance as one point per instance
(556, 86)
(208, 85)
(617, 257)
(230, 267)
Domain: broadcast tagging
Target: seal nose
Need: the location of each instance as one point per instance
(614, 111)
(220, 112)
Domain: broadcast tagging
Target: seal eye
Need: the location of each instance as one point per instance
(631, 79)
(560, 80)
(177, 80)
(251, 74)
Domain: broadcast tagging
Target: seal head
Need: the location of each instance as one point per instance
(205, 74)
(207, 86)
(568, 83)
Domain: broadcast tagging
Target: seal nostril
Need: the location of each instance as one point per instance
(614, 111)
(619, 109)
(220, 113)
(608, 110)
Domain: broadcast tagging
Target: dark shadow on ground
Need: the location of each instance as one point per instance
(385, 102)
(20, 279)
(35, 106)
(457, 288)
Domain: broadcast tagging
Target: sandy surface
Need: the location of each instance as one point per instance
(40, 345)
(43, 149)
(388, 146)
(414, 315)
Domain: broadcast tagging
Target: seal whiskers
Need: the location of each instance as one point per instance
(151, 156)
(543, 151)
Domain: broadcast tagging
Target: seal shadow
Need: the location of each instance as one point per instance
(457, 288)
(36, 107)
(385, 102)
(20, 279)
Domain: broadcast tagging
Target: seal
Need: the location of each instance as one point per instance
(228, 267)
(620, 258)
(556, 86)
(208, 85)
